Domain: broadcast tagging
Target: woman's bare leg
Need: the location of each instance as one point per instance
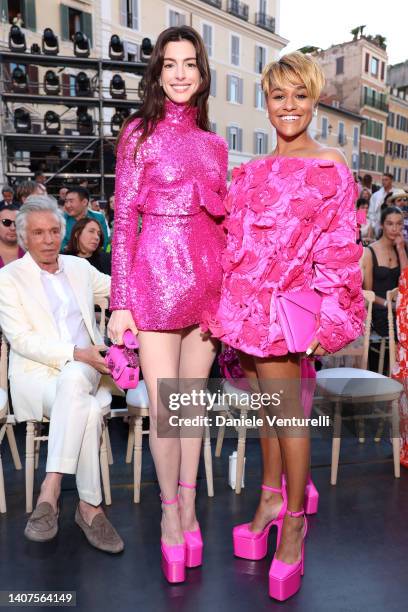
(295, 447)
(196, 358)
(159, 359)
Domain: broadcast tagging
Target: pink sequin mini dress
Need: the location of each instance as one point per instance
(170, 273)
(291, 226)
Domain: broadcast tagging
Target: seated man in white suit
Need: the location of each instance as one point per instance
(47, 315)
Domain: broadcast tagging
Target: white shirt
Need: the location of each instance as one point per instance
(64, 308)
(374, 209)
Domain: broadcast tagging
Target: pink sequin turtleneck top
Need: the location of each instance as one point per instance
(169, 273)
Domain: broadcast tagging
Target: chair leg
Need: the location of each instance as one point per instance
(37, 445)
(361, 430)
(105, 468)
(13, 447)
(208, 462)
(108, 446)
(220, 438)
(137, 457)
(336, 444)
(29, 466)
(3, 507)
(240, 457)
(382, 357)
(396, 438)
(130, 442)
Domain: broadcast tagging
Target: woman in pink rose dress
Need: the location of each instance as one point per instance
(291, 226)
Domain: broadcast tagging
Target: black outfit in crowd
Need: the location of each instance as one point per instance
(99, 260)
(384, 279)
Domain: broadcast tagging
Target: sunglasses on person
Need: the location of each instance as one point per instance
(8, 222)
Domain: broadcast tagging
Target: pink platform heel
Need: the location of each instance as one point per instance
(285, 578)
(254, 545)
(311, 495)
(193, 539)
(173, 558)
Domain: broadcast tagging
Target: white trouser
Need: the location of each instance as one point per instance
(75, 427)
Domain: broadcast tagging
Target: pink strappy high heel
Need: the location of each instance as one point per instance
(311, 495)
(194, 540)
(285, 578)
(253, 545)
(174, 556)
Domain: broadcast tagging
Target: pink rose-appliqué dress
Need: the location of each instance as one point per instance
(171, 272)
(291, 226)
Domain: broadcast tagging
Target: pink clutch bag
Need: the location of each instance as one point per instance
(123, 362)
(298, 313)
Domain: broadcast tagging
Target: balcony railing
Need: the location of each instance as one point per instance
(216, 3)
(238, 9)
(265, 21)
(368, 100)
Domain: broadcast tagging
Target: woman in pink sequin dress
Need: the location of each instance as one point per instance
(291, 227)
(171, 169)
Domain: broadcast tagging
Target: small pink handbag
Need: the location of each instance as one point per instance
(123, 362)
(298, 313)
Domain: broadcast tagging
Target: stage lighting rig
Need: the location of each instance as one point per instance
(117, 120)
(49, 42)
(22, 121)
(19, 82)
(51, 83)
(83, 85)
(35, 49)
(84, 121)
(17, 41)
(146, 50)
(117, 87)
(52, 123)
(116, 48)
(82, 47)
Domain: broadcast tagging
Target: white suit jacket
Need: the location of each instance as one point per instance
(36, 351)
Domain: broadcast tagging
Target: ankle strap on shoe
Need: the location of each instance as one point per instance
(271, 489)
(295, 514)
(186, 485)
(168, 502)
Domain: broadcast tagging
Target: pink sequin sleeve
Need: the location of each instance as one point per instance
(337, 273)
(128, 180)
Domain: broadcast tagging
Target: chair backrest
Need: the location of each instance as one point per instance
(359, 348)
(391, 297)
(103, 304)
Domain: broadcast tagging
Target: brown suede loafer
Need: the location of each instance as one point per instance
(100, 533)
(42, 524)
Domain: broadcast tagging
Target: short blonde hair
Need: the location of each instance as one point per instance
(293, 67)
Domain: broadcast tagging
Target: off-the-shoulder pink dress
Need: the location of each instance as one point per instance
(291, 226)
(171, 272)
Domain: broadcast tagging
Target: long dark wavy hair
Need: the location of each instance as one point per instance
(153, 97)
(72, 247)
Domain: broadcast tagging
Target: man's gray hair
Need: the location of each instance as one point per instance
(36, 203)
(7, 189)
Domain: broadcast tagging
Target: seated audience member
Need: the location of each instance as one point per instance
(62, 194)
(47, 315)
(76, 208)
(27, 188)
(8, 196)
(400, 370)
(9, 249)
(365, 194)
(383, 263)
(39, 177)
(366, 230)
(87, 241)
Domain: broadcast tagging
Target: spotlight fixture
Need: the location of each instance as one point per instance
(22, 121)
(117, 87)
(82, 48)
(84, 121)
(17, 41)
(35, 49)
(116, 48)
(83, 85)
(19, 81)
(49, 42)
(51, 83)
(52, 122)
(146, 50)
(116, 121)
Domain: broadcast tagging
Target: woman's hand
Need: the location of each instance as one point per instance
(120, 321)
(315, 349)
(399, 243)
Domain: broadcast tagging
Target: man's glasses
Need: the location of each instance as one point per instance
(8, 222)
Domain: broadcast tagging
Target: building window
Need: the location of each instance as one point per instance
(374, 66)
(356, 134)
(176, 18)
(391, 119)
(380, 163)
(235, 50)
(260, 143)
(235, 88)
(132, 52)
(354, 161)
(213, 127)
(234, 138)
(213, 87)
(73, 21)
(208, 38)
(342, 134)
(372, 129)
(340, 65)
(129, 14)
(406, 176)
(325, 125)
(19, 12)
(260, 58)
(260, 102)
